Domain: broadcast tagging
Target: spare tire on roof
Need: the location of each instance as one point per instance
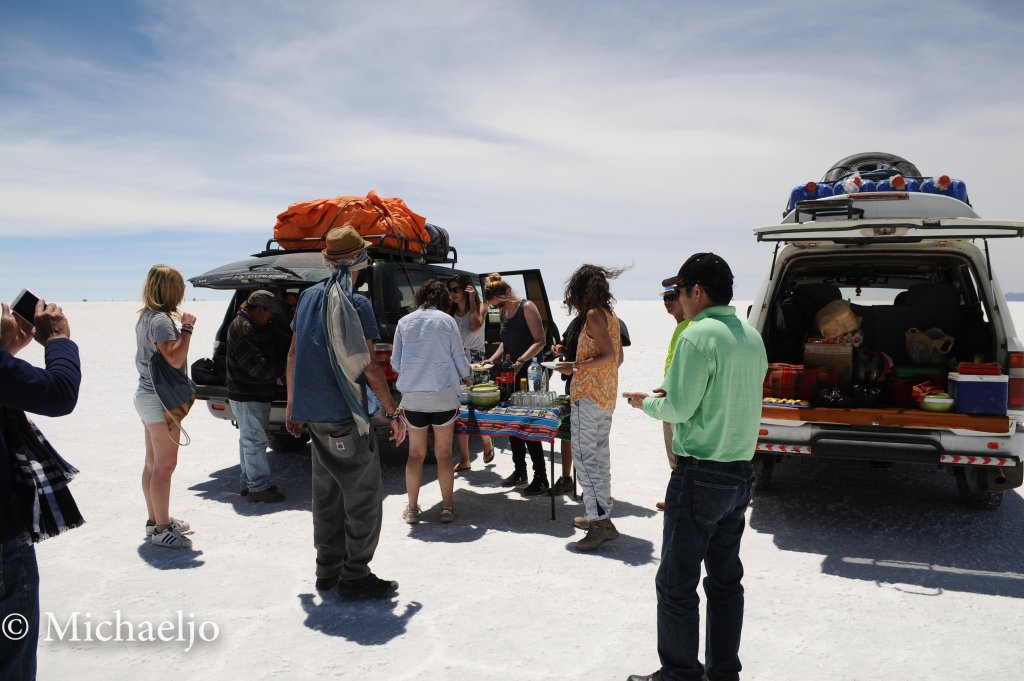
(869, 162)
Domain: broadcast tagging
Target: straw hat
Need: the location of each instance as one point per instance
(344, 243)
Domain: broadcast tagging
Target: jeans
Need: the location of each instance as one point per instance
(19, 609)
(252, 418)
(705, 505)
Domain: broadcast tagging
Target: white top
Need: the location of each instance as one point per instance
(471, 340)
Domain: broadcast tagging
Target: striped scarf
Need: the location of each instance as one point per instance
(346, 345)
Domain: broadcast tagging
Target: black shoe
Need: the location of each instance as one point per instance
(245, 490)
(538, 486)
(656, 676)
(270, 495)
(365, 588)
(517, 478)
(326, 583)
(562, 486)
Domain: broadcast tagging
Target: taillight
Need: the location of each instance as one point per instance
(382, 353)
(217, 406)
(1016, 384)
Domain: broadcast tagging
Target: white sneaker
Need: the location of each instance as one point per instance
(411, 515)
(171, 538)
(179, 525)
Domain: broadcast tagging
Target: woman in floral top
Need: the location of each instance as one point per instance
(592, 396)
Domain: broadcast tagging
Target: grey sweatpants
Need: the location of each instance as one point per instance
(347, 499)
(591, 455)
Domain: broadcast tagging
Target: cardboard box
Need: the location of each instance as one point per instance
(837, 356)
(979, 394)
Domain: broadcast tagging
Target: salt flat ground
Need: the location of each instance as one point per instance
(852, 572)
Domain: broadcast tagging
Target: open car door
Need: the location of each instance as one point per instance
(530, 285)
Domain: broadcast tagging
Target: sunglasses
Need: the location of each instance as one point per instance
(454, 289)
(671, 297)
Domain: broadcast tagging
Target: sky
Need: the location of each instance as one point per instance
(539, 134)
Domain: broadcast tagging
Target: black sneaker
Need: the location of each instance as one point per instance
(368, 587)
(326, 583)
(270, 495)
(517, 478)
(538, 486)
(562, 486)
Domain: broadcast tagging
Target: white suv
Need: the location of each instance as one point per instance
(905, 258)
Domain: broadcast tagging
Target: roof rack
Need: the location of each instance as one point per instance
(841, 205)
(431, 251)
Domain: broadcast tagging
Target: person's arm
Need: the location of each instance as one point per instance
(292, 426)
(477, 309)
(597, 328)
(176, 351)
(687, 380)
(536, 326)
(379, 385)
(498, 354)
(52, 391)
(396, 349)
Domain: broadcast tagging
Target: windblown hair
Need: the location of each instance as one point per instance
(496, 287)
(462, 280)
(433, 293)
(163, 291)
(587, 288)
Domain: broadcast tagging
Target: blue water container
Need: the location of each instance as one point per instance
(886, 186)
(956, 189)
(865, 186)
(800, 193)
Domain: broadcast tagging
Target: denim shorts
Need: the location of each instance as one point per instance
(149, 407)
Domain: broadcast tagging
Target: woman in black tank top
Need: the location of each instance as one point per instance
(522, 337)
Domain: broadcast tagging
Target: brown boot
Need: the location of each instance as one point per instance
(600, 531)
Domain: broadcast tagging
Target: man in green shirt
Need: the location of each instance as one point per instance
(713, 396)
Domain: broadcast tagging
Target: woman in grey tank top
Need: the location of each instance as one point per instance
(470, 313)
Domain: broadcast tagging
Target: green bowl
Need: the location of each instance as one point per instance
(484, 396)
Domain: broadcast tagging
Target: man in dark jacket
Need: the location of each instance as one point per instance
(52, 391)
(254, 365)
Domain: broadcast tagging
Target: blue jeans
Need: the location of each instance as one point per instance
(19, 609)
(252, 418)
(704, 520)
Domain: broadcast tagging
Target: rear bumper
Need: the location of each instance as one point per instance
(930, 447)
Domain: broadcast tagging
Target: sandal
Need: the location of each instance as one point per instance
(489, 455)
(459, 469)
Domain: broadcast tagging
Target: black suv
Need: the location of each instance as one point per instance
(390, 283)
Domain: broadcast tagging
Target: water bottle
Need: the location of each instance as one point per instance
(536, 375)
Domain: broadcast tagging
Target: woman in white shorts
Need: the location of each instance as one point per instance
(156, 332)
(430, 361)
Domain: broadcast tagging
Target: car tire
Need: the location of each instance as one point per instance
(869, 161)
(974, 491)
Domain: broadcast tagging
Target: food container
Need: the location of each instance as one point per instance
(484, 396)
(940, 402)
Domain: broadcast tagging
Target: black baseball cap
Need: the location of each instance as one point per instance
(706, 269)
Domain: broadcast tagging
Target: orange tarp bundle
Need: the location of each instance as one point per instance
(383, 221)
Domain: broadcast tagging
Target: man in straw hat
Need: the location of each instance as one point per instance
(330, 365)
(712, 393)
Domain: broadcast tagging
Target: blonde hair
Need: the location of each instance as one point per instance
(163, 291)
(496, 287)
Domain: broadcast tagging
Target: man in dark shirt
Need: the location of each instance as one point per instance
(254, 363)
(52, 391)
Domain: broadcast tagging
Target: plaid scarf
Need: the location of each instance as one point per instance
(42, 500)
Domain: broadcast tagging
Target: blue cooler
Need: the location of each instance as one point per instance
(865, 186)
(956, 189)
(979, 394)
(886, 186)
(800, 193)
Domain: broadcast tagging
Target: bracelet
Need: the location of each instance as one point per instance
(187, 328)
(395, 416)
(188, 331)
